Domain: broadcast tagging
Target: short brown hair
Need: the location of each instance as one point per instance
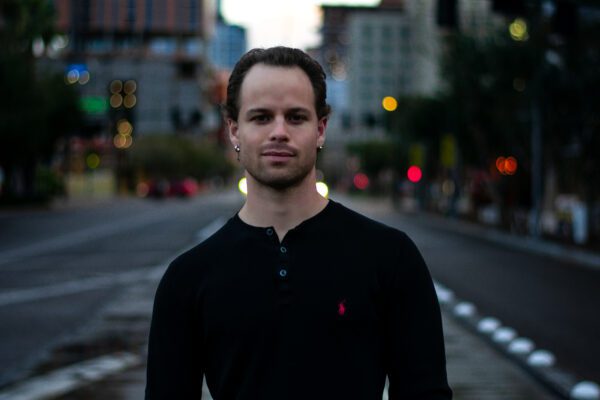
(280, 57)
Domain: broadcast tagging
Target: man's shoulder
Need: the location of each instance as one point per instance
(352, 221)
(202, 254)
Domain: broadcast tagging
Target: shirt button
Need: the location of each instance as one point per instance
(283, 249)
(283, 272)
(270, 232)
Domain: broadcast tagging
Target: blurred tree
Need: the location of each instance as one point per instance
(488, 94)
(377, 156)
(35, 109)
(175, 157)
(494, 84)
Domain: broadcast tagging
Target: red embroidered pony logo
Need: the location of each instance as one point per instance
(342, 308)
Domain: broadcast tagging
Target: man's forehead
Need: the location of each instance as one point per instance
(263, 75)
(268, 82)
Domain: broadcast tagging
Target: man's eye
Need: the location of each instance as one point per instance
(297, 118)
(260, 118)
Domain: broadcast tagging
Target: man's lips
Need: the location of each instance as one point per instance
(277, 153)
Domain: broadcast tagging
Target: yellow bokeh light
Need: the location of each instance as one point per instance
(243, 186)
(130, 87)
(518, 30)
(116, 100)
(130, 101)
(122, 141)
(124, 127)
(323, 189)
(92, 161)
(389, 103)
(116, 86)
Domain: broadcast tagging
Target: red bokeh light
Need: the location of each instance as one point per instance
(361, 181)
(414, 174)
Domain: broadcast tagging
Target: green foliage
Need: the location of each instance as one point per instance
(175, 157)
(48, 184)
(23, 21)
(488, 93)
(376, 155)
(35, 108)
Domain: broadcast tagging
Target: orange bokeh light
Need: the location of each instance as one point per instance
(506, 165)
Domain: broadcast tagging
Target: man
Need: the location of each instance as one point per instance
(296, 297)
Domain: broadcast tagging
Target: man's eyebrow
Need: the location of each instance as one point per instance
(261, 110)
(257, 111)
(298, 109)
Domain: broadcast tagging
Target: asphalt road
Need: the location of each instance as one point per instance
(553, 302)
(57, 268)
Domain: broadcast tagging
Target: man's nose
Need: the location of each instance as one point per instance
(280, 129)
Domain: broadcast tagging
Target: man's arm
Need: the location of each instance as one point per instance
(418, 361)
(175, 359)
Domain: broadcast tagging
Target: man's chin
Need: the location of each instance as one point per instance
(283, 182)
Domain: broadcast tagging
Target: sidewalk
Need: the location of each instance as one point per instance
(476, 370)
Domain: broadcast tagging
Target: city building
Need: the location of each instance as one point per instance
(373, 52)
(227, 44)
(159, 45)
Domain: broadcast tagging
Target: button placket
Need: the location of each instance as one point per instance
(283, 269)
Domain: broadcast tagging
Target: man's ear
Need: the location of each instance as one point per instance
(232, 126)
(321, 127)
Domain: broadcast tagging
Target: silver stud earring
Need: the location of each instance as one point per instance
(237, 150)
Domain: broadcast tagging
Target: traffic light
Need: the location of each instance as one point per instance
(122, 102)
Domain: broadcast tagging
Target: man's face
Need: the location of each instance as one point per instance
(277, 127)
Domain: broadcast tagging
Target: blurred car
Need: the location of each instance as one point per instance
(160, 188)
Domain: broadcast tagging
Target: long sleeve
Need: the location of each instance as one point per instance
(417, 364)
(175, 360)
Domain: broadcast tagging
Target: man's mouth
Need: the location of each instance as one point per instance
(278, 154)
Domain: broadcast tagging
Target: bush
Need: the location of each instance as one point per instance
(176, 157)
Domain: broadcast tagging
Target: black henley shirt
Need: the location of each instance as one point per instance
(327, 313)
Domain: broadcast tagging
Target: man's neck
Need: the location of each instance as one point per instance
(281, 209)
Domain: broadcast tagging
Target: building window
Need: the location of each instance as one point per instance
(186, 70)
(148, 15)
(131, 13)
(193, 14)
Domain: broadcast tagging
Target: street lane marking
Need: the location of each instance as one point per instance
(81, 285)
(82, 236)
(100, 282)
(65, 380)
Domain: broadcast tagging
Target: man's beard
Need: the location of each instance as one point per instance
(281, 181)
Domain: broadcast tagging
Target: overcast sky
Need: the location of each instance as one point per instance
(280, 22)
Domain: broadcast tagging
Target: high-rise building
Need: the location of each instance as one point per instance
(158, 44)
(227, 44)
(379, 66)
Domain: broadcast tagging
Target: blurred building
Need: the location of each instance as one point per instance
(373, 52)
(160, 45)
(379, 66)
(227, 44)
(476, 18)
(390, 50)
